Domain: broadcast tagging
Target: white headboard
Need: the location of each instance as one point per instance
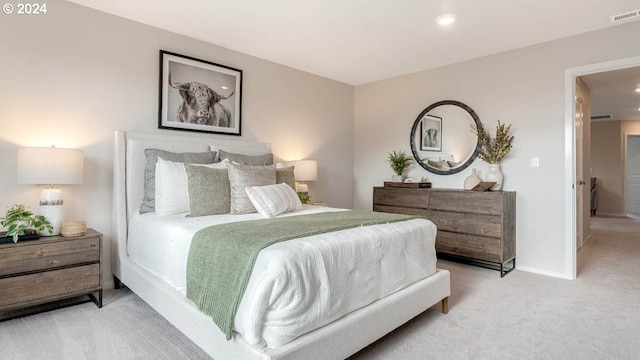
(128, 171)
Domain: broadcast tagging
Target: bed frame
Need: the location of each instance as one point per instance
(336, 340)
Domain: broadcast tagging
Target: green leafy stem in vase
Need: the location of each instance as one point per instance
(19, 218)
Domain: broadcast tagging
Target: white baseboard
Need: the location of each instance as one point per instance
(544, 272)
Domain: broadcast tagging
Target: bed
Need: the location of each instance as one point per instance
(143, 273)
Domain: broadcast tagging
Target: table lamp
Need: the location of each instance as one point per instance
(50, 166)
(304, 170)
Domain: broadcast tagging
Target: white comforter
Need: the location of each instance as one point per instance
(299, 285)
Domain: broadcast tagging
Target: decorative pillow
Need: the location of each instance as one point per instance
(152, 155)
(171, 195)
(285, 175)
(273, 200)
(209, 190)
(254, 160)
(434, 164)
(241, 177)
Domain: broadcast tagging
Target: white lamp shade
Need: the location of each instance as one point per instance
(50, 166)
(305, 170)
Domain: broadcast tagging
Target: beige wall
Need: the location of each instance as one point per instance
(608, 163)
(524, 87)
(74, 76)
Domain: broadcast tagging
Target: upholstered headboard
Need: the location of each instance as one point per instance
(128, 172)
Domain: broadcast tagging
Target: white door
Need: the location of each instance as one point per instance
(579, 187)
(633, 174)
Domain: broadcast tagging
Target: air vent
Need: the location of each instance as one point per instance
(626, 16)
(601, 117)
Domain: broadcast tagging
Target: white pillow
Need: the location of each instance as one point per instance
(172, 194)
(273, 200)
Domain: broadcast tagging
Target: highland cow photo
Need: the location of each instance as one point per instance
(198, 95)
(431, 133)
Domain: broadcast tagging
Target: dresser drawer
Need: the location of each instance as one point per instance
(475, 247)
(478, 224)
(467, 201)
(47, 255)
(49, 284)
(401, 197)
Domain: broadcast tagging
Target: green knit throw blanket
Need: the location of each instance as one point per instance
(221, 257)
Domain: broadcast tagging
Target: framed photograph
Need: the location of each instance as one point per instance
(431, 134)
(198, 95)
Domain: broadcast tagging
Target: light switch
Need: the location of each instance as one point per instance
(535, 163)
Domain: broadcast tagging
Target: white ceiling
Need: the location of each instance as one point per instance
(613, 93)
(360, 41)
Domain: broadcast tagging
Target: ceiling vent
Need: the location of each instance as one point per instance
(601, 117)
(635, 14)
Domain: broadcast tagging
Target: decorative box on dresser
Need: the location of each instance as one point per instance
(478, 226)
(50, 269)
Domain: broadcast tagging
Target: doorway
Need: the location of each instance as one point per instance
(571, 214)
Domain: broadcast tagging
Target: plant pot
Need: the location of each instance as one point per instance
(398, 178)
(494, 174)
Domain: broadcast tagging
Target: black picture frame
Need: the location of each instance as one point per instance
(213, 94)
(431, 133)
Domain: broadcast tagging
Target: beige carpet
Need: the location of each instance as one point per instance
(521, 316)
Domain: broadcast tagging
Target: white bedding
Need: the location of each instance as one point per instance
(285, 299)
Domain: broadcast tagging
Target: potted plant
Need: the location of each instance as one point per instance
(19, 218)
(399, 162)
(493, 150)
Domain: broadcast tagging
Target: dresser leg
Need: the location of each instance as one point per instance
(98, 300)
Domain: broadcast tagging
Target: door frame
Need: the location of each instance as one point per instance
(571, 74)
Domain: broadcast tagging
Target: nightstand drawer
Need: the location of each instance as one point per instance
(42, 255)
(49, 284)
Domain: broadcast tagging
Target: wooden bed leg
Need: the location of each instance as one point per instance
(116, 282)
(445, 305)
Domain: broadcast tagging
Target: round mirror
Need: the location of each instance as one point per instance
(441, 138)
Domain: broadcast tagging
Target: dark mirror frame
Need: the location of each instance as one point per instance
(416, 125)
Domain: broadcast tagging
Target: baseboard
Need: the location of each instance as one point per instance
(544, 272)
(611, 214)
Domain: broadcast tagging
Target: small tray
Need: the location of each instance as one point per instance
(423, 185)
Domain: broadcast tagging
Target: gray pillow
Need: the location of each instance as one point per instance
(209, 190)
(254, 160)
(241, 177)
(285, 175)
(152, 155)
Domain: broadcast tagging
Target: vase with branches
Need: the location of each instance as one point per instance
(494, 149)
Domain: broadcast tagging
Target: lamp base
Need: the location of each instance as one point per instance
(51, 208)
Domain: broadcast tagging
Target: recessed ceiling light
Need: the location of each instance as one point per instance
(638, 89)
(224, 87)
(446, 19)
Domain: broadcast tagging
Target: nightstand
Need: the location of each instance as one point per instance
(317, 203)
(36, 273)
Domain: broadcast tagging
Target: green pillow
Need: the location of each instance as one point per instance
(254, 160)
(152, 155)
(243, 176)
(209, 190)
(286, 175)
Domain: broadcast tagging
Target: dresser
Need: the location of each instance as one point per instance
(473, 226)
(50, 269)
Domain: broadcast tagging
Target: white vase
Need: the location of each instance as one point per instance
(472, 180)
(494, 174)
